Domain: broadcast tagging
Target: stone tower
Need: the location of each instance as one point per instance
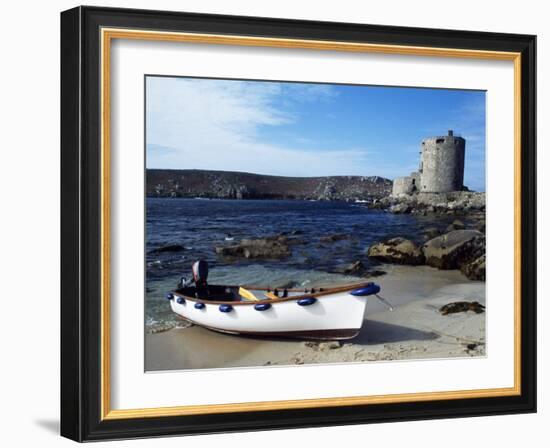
(441, 167)
(442, 164)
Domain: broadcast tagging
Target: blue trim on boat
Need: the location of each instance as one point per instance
(200, 305)
(367, 290)
(262, 306)
(180, 300)
(169, 296)
(225, 308)
(306, 301)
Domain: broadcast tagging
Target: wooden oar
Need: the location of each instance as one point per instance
(246, 294)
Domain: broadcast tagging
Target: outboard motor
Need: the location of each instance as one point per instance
(200, 273)
(200, 276)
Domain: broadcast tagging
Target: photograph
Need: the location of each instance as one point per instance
(299, 223)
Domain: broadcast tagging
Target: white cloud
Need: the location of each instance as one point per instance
(215, 124)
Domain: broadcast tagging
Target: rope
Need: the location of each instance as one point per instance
(385, 302)
(458, 338)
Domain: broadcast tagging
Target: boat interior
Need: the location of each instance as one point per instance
(200, 289)
(224, 293)
(218, 293)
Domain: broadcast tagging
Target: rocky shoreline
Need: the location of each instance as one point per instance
(452, 203)
(459, 247)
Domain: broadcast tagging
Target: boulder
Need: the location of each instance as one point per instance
(457, 224)
(333, 238)
(400, 208)
(462, 307)
(474, 270)
(431, 232)
(397, 250)
(270, 248)
(357, 267)
(480, 225)
(453, 249)
(168, 248)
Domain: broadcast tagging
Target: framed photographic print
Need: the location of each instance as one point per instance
(272, 223)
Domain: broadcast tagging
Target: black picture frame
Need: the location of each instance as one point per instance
(81, 224)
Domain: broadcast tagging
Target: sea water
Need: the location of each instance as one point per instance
(199, 225)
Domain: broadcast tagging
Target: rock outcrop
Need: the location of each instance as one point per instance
(475, 270)
(398, 251)
(456, 202)
(334, 237)
(457, 224)
(168, 248)
(453, 249)
(431, 232)
(458, 249)
(462, 307)
(274, 247)
(355, 268)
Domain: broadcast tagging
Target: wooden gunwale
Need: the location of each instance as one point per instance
(325, 292)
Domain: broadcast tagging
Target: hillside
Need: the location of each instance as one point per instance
(235, 185)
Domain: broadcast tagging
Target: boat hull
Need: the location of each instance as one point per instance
(331, 317)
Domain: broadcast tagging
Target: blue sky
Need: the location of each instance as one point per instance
(303, 129)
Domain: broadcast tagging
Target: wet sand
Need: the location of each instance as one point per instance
(414, 330)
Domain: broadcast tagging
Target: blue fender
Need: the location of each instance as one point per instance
(306, 301)
(367, 290)
(180, 300)
(199, 305)
(169, 296)
(262, 306)
(225, 308)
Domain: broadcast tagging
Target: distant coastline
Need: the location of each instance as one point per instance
(238, 185)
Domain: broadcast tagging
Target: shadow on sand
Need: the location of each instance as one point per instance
(374, 332)
(371, 333)
(198, 348)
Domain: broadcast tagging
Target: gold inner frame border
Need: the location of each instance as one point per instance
(107, 35)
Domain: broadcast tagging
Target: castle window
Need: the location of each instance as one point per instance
(440, 140)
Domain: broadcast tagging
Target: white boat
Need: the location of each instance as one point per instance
(325, 313)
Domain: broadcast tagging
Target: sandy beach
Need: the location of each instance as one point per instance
(415, 329)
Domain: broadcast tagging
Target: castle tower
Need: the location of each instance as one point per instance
(442, 164)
